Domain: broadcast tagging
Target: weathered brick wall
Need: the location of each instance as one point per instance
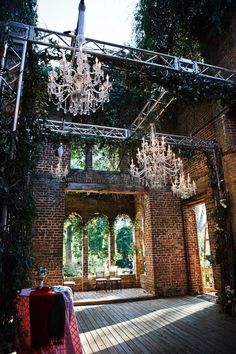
(221, 129)
(139, 236)
(50, 204)
(164, 244)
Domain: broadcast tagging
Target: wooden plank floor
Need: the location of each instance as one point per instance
(174, 325)
(102, 296)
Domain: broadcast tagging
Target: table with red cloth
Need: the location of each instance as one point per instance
(42, 300)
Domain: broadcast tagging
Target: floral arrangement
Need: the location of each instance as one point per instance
(42, 272)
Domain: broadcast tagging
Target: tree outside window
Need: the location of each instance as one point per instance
(72, 250)
(98, 236)
(124, 245)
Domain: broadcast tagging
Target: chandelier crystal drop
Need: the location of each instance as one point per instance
(157, 166)
(76, 86)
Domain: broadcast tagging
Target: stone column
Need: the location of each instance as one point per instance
(164, 244)
(88, 157)
(138, 238)
(111, 242)
(85, 259)
(124, 161)
(192, 252)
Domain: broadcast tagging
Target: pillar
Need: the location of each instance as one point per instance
(164, 244)
(138, 238)
(85, 259)
(111, 242)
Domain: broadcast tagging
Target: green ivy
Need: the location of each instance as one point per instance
(184, 27)
(19, 153)
(19, 10)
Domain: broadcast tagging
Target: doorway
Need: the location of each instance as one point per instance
(204, 248)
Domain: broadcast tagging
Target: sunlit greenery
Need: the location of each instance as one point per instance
(73, 242)
(124, 243)
(105, 157)
(77, 156)
(98, 237)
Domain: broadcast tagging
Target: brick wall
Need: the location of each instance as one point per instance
(164, 244)
(192, 254)
(50, 203)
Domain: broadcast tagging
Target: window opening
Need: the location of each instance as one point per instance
(105, 157)
(72, 247)
(124, 244)
(98, 236)
(204, 248)
(77, 160)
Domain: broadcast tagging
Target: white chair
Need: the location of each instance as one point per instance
(101, 280)
(114, 280)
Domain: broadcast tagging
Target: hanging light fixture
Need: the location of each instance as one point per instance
(76, 86)
(59, 172)
(158, 166)
(182, 187)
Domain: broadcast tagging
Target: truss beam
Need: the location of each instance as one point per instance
(123, 134)
(110, 51)
(87, 130)
(158, 102)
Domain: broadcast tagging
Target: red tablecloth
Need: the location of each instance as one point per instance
(71, 343)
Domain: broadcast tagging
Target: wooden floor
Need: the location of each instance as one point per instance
(102, 296)
(173, 325)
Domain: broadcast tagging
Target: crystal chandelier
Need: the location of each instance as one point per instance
(76, 86)
(59, 172)
(182, 187)
(158, 166)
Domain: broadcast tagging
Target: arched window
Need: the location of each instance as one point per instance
(98, 236)
(124, 245)
(72, 248)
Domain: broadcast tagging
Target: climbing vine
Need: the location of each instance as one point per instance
(185, 28)
(19, 152)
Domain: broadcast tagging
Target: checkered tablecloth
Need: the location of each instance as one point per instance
(71, 343)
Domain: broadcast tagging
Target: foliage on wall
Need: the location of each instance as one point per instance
(19, 10)
(184, 27)
(19, 155)
(225, 255)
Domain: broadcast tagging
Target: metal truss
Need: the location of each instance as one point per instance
(188, 141)
(87, 130)
(123, 134)
(12, 68)
(14, 56)
(158, 102)
(111, 51)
